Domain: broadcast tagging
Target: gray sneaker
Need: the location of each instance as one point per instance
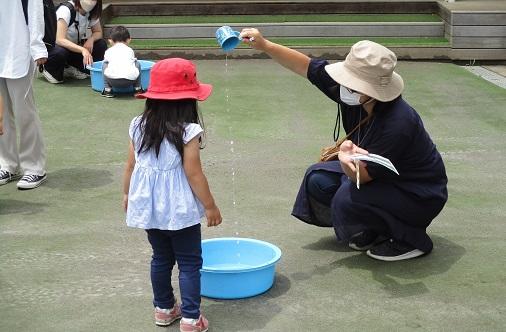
(6, 177)
(30, 181)
(73, 72)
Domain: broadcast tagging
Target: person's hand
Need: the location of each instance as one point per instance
(125, 202)
(253, 38)
(89, 45)
(41, 61)
(213, 216)
(87, 58)
(346, 150)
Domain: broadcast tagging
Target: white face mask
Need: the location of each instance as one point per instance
(88, 5)
(349, 98)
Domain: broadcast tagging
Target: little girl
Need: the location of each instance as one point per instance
(165, 191)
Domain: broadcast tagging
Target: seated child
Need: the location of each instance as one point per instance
(120, 67)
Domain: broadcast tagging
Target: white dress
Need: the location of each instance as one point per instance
(160, 196)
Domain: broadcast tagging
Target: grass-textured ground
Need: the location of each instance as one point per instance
(69, 263)
(274, 18)
(154, 44)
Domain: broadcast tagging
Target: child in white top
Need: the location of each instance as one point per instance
(165, 191)
(120, 67)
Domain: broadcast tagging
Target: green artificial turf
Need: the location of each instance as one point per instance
(294, 42)
(274, 18)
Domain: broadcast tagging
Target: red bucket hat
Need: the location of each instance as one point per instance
(173, 79)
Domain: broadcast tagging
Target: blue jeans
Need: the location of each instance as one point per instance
(184, 247)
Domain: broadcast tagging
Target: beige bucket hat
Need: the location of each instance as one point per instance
(369, 69)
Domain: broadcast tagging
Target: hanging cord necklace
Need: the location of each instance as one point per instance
(331, 152)
(337, 125)
(359, 139)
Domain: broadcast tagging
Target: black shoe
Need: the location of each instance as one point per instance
(6, 177)
(107, 93)
(393, 250)
(31, 181)
(365, 240)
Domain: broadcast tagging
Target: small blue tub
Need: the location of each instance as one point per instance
(97, 77)
(236, 268)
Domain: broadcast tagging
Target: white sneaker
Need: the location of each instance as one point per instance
(50, 77)
(31, 181)
(73, 72)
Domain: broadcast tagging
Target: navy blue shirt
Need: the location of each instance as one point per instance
(395, 132)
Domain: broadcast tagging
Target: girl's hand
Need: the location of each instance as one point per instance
(253, 38)
(87, 58)
(125, 202)
(213, 216)
(346, 150)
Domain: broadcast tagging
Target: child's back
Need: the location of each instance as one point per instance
(121, 62)
(163, 198)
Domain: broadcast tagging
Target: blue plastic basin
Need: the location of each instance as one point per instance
(97, 77)
(235, 268)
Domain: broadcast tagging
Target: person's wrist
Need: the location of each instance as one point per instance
(267, 45)
(210, 206)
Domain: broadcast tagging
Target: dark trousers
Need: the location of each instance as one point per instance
(110, 83)
(323, 185)
(377, 206)
(184, 247)
(59, 57)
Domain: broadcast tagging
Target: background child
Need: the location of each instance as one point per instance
(120, 67)
(165, 191)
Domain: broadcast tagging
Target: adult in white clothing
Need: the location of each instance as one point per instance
(75, 48)
(22, 48)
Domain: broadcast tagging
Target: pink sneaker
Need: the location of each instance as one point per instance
(163, 317)
(201, 325)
